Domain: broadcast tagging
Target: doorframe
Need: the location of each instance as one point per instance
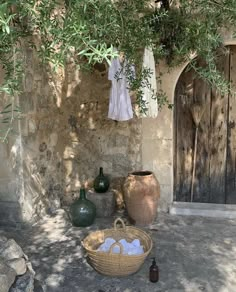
(157, 139)
(229, 42)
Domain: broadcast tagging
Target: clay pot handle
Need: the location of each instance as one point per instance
(121, 221)
(120, 246)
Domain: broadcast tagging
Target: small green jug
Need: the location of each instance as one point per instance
(101, 182)
(83, 211)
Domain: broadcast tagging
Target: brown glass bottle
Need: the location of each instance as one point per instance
(154, 272)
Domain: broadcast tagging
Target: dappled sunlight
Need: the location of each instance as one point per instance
(69, 152)
(66, 132)
(14, 153)
(91, 123)
(194, 254)
(54, 280)
(53, 229)
(69, 142)
(194, 285)
(36, 177)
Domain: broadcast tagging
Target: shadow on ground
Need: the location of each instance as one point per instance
(193, 253)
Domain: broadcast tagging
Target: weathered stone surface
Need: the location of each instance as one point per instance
(32, 126)
(3, 150)
(11, 250)
(10, 213)
(59, 218)
(38, 287)
(157, 149)
(63, 139)
(163, 172)
(3, 239)
(24, 283)
(194, 254)
(165, 197)
(15, 273)
(7, 277)
(8, 189)
(28, 82)
(104, 202)
(19, 265)
(117, 187)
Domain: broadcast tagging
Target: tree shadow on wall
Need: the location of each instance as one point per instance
(88, 139)
(66, 135)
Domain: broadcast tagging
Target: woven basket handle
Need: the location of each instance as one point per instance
(120, 246)
(121, 221)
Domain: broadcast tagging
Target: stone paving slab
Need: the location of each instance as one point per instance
(194, 254)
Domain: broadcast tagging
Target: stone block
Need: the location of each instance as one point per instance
(121, 140)
(104, 202)
(8, 190)
(121, 164)
(7, 277)
(163, 172)
(166, 197)
(19, 265)
(3, 151)
(10, 213)
(53, 139)
(29, 82)
(38, 287)
(160, 127)
(24, 126)
(32, 126)
(24, 283)
(117, 184)
(11, 250)
(158, 149)
(5, 172)
(26, 102)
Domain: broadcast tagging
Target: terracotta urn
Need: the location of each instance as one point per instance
(141, 195)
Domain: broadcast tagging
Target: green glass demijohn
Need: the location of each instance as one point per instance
(101, 182)
(83, 211)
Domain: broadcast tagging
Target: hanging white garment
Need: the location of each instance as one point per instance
(120, 108)
(148, 93)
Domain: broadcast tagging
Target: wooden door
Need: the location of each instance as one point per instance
(215, 176)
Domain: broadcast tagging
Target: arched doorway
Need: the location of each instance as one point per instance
(215, 167)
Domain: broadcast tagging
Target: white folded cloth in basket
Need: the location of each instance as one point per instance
(129, 248)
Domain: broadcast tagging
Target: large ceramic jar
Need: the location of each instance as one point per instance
(101, 182)
(82, 211)
(141, 194)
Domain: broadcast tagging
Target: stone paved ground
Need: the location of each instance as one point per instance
(194, 254)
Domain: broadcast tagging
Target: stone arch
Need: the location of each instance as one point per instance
(158, 133)
(178, 74)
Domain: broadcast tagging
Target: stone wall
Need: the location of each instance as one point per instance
(66, 135)
(11, 166)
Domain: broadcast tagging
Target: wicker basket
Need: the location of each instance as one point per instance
(111, 264)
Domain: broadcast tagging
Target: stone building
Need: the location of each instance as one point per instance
(64, 136)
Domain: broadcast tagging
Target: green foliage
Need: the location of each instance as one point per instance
(8, 115)
(88, 30)
(194, 27)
